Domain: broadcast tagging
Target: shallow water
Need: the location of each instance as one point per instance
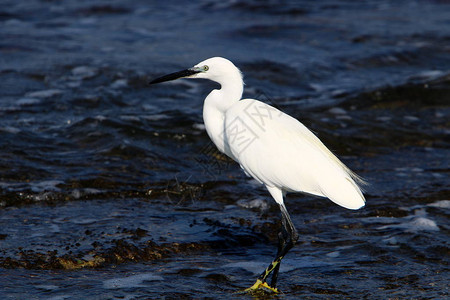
(111, 189)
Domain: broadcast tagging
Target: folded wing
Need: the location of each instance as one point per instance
(279, 151)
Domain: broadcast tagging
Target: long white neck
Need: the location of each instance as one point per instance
(216, 105)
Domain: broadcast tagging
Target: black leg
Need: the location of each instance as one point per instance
(286, 240)
(282, 236)
(289, 237)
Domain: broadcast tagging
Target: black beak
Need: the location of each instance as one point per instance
(176, 75)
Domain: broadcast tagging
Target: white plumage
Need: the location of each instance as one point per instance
(272, 147)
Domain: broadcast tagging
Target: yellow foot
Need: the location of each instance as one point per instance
(261, 285)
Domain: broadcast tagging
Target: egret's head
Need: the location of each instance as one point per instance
(217, 69)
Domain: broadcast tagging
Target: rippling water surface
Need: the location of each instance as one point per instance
(111, 189)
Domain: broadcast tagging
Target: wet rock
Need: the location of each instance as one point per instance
(70, 263)
(137, 233)
(269, 230)
(389, 212)
(121, 252)
(435, 93)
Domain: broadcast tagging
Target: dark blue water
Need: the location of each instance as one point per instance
(110, 189)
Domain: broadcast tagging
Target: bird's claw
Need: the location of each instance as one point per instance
(263, 286)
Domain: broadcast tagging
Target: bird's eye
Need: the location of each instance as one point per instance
(205, 68)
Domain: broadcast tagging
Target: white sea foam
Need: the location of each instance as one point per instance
(411, 118)
(84, 72)
(131, 281)
(384, 118)
(84, 221)
(59, 297)
(391, 240)
(156, 117)
(199, 126)
(119, 84)
(100, 118)
(48, 287)
(255, 203)
(415, 224)
(10, 129)
(420, 224)
(440, 204)
(44, 93)
(130, 118)
(28, 101)
(46, 185)
(333, 254)
(428, 74)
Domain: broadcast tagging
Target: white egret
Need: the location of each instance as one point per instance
(273, 148)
